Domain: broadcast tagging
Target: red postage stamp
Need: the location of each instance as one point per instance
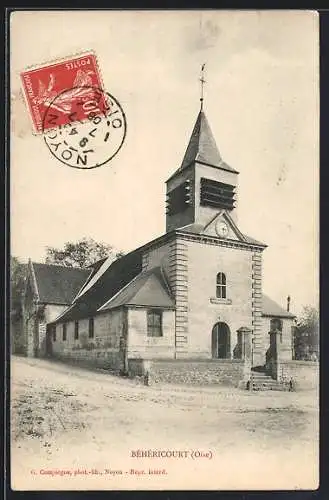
(65, 91)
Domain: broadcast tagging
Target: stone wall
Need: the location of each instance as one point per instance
(29, 320)
(205, 260)
(31, 325)
(142, 346)
(304, 374)
(103, 350)
(138, 367)
(17, 337)
(191, 372)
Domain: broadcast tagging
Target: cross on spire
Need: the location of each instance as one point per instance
(203, 81)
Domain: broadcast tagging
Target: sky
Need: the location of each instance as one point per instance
(262, 103)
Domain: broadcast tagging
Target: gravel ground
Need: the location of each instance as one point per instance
(77, 429)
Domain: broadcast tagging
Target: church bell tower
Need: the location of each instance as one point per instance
(204, 185)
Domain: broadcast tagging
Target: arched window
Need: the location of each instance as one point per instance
(221, 286)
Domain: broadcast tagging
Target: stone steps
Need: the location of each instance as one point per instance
(274, 385)
(261, 381)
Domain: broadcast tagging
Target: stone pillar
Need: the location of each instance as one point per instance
(245, 340)
(42, 339)
(257, 308)
(178, 279)
(30, 327)
(275, 353)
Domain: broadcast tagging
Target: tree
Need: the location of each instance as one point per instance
(83, 253)
(17, 282)
(306, 334)
(18, 272)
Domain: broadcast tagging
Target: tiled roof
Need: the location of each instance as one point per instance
(110, 282)
(58, 284)
(148, 289)
(202, 147)
(271, 308)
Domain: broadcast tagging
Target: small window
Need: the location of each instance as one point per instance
(91, 328)
(64, 331)
(221, 286)
(154, 324)
(76, 330)
(54, 333)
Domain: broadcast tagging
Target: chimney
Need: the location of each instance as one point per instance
(288, 303)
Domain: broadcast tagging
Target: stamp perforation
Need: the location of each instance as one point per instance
(53, 64)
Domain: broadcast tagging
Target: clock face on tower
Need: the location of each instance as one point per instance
(221, 229)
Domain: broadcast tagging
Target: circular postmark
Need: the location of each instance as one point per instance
(84, 127)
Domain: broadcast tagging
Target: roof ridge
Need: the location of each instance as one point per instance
(59, 265)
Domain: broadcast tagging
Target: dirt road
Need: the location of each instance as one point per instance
(74, 428)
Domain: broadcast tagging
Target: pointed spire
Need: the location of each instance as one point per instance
(202, 146)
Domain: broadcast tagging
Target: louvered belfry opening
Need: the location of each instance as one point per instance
(179, 198)
(216, 194)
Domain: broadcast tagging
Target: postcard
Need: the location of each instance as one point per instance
(164, 184)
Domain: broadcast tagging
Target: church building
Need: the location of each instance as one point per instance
(191, 297)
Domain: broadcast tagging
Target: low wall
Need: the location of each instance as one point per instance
(191, 372)
(304, 374)
(109, 359)
(137, 367)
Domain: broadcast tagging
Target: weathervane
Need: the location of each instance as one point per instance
(203, 81)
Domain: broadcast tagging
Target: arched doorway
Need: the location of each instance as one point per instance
(220, 341)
